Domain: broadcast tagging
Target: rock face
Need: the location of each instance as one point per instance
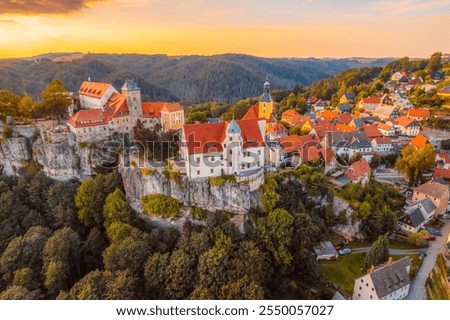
(350, 230)
(13, 152)
(231, 197)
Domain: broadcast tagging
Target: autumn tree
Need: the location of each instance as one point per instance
(56, 99)
(196, 116)
(434, 63)
(413, 163)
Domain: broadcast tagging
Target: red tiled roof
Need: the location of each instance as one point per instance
(252, 113)
(383, 140)
(93, 89)
(371, 100)
(290, 116)
(371, 131)
(419, 141)
(208, 137)
(358, 169)
(433, 189)
(296, 143)
(384, 126)
(278, 128)
(328, 154)
(444, 173)
(321, 130)
(445, 157)
(291, 140)
(344, 128)
(172, 107)
(419, 113)
(405, 121)
(329, 115)
(345, 118)
(313, 99)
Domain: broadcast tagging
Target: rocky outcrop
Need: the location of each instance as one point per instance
(13, 153)
(231, 197)
(351, 229)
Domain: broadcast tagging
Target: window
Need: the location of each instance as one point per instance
(221, 157)
(212, 170)
(212, 158)
(231, 151)
(231, 138)
(359, 294)
(259, 152)
(360, 288)
(198, 172)
(371, 297)
(367, 284)
(362, 280)
(198, 160)
(230, 163)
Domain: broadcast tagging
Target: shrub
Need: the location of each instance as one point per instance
(148, 171)
(160, 205)
(133, 163)
(198, 213)
(83, 145)
(222, 179)
(7, 131)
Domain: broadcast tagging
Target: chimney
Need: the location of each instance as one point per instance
(372, 268)
(390, 260)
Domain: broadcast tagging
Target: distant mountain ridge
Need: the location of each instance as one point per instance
(223, 78)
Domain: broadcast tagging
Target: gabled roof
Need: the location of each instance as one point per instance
(321, 130)
(419, 113)
(383, 140)
(407, 122)
(252, 113)
(358, 169)
(384, 126)
(345, 118)
(414, 218)
(428, 205)
(441, 173)
(278, 128)
(371, 100)
(344, 128)
(345, 108)
(444, 157)
(208, 137)
(327, 155)
(433, 189)
(93, 89)
(419, 141)
(391, 277)
(371, 131)
(329, 115)
(265, 98)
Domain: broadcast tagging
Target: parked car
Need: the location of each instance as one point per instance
(422, 255)
(435, 232)
(345, 251)
(429, 237)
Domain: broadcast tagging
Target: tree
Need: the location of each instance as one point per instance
(275, 233)
(160, 205)
(378, 253)
(196, 116)
(56, 99)
(445, 144)
(182, 275)
(91, 287)
(413, 163)
(62, 253)
(89, 202)
(116, 208)
(242, 289)
(26, 107)
(156, 276)
(8, 103)
(434, 63)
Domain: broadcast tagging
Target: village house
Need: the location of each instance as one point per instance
(319, 106)
(371, 131)
(369, 104)
(419, 114)
(231, 148)
(407, 126)
(347, 98)
(417, 216)
(277, 131)
(388, 282)
(444, 92)
(325, 251)
(385, 129)
(443, 160)
(419, 141)
(386, 111)
(442, 176)
(359, 172)
(105, 112)
(436, 192)
(382, 145)
(349, 144)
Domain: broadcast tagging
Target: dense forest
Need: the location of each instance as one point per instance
(71, 240)
(223, 78)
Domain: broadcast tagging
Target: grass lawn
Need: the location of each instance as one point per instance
(344, 271)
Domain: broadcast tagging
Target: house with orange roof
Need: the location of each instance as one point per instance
(344, 128)
(369, 103)
(108, 112)
(330, 115)
(419, 114)
(371, 131)
(407, 126)
(444, 92)
(419, 141)
(277, 131)
(319, 131)
(345, 118)
(329, 159)
(382, 144)
(232, 148)
(359, 172)
(442, 175)
(290, 116)
(385, 129)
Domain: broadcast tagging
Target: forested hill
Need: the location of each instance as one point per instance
(222, 78)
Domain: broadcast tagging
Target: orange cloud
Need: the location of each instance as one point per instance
(31, 7)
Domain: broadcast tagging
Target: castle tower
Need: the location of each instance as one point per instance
(233, 150)
(132, 94)
(265, 106)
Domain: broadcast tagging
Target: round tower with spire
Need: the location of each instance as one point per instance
(132, 94)
(265, 102)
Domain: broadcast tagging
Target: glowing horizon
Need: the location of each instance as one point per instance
(286, 28)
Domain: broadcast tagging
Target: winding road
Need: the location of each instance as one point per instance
(417, 290)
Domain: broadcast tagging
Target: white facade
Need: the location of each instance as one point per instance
(381, 147)
(411, 131)
(89, 102)
(364, 290)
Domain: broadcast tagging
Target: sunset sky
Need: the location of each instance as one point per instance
(282, 28)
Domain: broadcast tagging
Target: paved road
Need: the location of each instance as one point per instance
(417, 290)
(393, 252)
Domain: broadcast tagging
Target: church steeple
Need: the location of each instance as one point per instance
(267, 85)
(265, 102)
